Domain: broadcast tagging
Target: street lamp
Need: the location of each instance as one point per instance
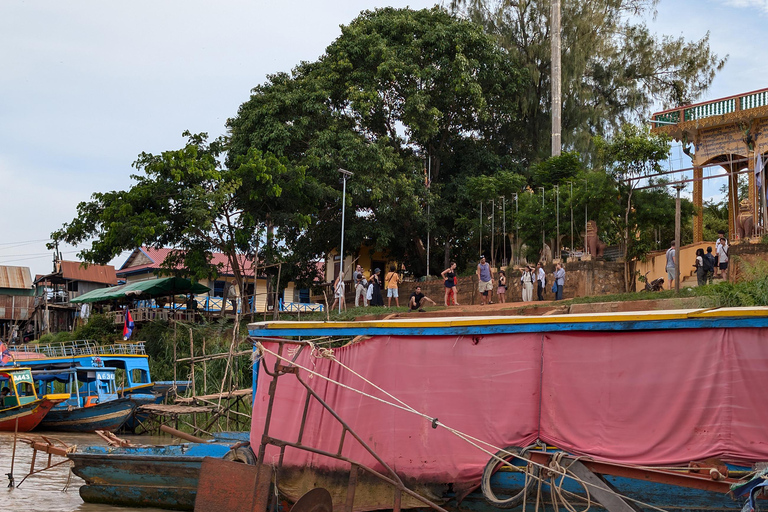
(345, 175)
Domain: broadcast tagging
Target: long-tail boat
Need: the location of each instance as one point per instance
(92, 402)
(21, 409)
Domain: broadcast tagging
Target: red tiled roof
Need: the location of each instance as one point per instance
(157, 256)
(104, 274)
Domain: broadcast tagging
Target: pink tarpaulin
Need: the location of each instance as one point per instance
(652, 398)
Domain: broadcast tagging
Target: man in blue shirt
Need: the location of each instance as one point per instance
(484, 280)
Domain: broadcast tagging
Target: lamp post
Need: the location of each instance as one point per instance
(345, 175)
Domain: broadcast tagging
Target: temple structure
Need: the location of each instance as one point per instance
(730, 133)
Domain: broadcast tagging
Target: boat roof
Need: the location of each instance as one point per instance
(756, 316)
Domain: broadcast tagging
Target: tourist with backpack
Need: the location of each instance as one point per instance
(709, 265)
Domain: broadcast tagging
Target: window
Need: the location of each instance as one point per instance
(218, 288)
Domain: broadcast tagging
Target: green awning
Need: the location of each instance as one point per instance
(144, 290)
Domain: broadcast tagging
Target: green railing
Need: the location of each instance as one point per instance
(712, 108)
(716, 108)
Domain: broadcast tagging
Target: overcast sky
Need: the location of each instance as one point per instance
(85, 86)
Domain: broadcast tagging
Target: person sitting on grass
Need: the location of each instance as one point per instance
(418, 300)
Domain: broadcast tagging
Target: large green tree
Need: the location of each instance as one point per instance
(188, 200)
(614, 70)
(400, 95)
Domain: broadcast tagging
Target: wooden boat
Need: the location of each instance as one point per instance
(149, 476)
(20, 408)
(645, 409)
(92, 402)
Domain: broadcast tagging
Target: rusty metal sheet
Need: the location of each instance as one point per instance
(16, 307)
(74, 270)
(15, 277)
(232, 486)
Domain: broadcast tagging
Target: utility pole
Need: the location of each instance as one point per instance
(429, 186)
(493, 232)
(556, 77)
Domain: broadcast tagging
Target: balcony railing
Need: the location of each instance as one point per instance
(712, 108)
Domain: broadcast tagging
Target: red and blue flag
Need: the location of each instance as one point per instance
(128, 326)
(5, 354)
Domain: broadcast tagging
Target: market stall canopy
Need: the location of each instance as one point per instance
(144, 289)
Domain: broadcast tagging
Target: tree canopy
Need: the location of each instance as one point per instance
(614, 70)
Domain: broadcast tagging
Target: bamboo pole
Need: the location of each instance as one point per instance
(205, 371)
(192, 368)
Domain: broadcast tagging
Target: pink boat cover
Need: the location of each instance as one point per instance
(650, 398)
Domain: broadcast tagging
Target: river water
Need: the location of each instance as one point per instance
(54, 490)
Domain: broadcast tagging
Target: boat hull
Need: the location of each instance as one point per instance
(108, 416)
(28, 415)
(155, 476)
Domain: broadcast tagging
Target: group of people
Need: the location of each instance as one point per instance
(368, 291)
(706, 265)
(530, 278)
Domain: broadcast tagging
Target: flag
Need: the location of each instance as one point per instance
(5, 354)
(128, 326)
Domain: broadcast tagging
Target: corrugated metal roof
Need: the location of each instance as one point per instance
(104, 274)
(15, 277)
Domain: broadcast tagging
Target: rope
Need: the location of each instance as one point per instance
(328, 354)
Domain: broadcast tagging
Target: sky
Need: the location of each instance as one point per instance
(86, 86)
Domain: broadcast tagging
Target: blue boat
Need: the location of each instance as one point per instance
(150, 476)
(93, 403)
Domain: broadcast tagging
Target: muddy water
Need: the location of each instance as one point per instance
(54, 490)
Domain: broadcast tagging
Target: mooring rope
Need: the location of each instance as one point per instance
(327, 353)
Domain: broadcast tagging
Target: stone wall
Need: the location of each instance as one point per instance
(745, 255)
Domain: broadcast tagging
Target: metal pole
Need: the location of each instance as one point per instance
(543, 241)
(517, 234)
(557, 214)
(571, 201)
(481, 229)
(504, 221)
(493, 232)
(677, 238)
(344, 175)
(586, 216)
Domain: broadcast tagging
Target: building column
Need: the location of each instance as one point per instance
(733, 201)
(698, 204)
(753, 193)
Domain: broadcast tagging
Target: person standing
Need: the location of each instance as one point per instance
(670, 267)
(722, 258)
(484, 280)
(709, 264)
(501, 291)
(392, 280)
(375, 285)
(339, 291)
(527, 281)
(721, 241)
(559, 281)
(360, 286)
(541, 280)
(701, 270)
(449, 275)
